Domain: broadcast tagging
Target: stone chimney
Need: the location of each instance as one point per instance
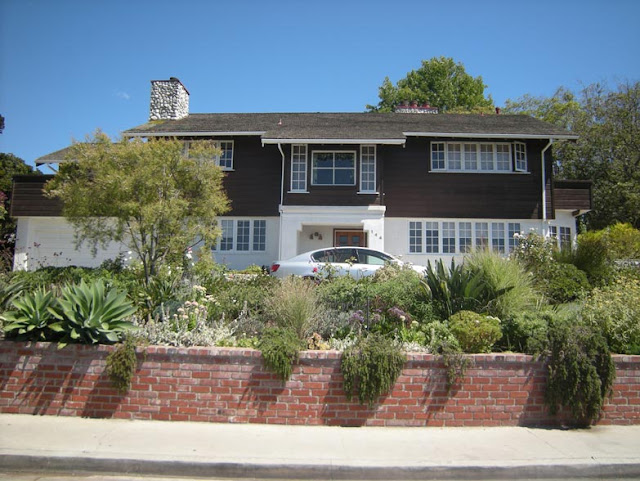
(414, 108)
(169, 100)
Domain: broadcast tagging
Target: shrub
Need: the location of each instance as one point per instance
(508, 287)
(121, 364)
(32, 317)
(615, 310)
(293, 304)
(343, 293)
(564, 283)
(235, 295)
(525, 331)
(90, 314)
(475, 332)
(280, 349)
(592, 256)
(371, 367)
(623, 241)
(581, 371)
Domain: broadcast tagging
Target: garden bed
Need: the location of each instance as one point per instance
(232, 385)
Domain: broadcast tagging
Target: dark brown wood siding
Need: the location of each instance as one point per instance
(331, 195)
(411, 190)
(254, 184)
(572, 194)
(28, 199)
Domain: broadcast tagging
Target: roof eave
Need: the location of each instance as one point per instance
(491, 135)
(229, 133)
(333, 141)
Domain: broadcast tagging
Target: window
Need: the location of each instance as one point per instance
(482, 235)
(477, 157)
(466, 237)
(431, 237)
(514, 228)
(437, 156)
(242, 235)
(333, 168)
(298, 168)
(520, 153)
(448, 237)
(415, 237)
(368, 168)
(497, 237)
(553, 232)
(565, 238)
(225, 159)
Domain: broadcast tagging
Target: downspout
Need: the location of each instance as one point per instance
(281, 200)
(544, 184)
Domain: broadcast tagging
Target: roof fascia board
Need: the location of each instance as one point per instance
(335, 141)
(491, 136)
(190, 134)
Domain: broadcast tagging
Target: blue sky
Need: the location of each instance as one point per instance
(69, 67)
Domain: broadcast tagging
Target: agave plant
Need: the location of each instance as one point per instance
(31, 319)
(89, 314)
(9, 292)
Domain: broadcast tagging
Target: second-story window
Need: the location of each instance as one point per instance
(368, 168)
(333, 168)
(520, 153)
(485, 157)
(298, 168)
(225, 159)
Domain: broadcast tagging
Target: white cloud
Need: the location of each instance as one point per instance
(122, 95)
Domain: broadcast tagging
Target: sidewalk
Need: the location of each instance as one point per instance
(299, 452)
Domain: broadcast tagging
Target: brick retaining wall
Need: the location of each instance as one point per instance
(231, 385)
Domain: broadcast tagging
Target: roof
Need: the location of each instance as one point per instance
(54, 157)
(382, 127)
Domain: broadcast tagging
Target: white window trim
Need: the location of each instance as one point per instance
(515, 157)
(234, 249)
(216, 143)
(355, 156)
(375, 170)
(479, 170)
(304, 189)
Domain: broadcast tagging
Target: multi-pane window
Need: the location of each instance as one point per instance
(553, 232)
(225, 159)
(482, 235)
(368, 168)
(298, 168)
(259, 235)
(415, 237)
(466, 237)
(242, 235)
(431, 237)
(514, 228)
(333, 168)
(520, 154)
(497, 237)
(565, 238)
(448, 237)
(478, 157)
(437, 156)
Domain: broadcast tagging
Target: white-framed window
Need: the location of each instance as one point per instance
(368, 168)
(225, 159)
(415, 237)
(298, 168)
(478, 157)
(497, 237)
(333, 167)
(437, 156)
(242, 235)
(482, 235)
(565, 238)
(448, 237)
(520, 155)
(465, 237)
(431, 238)
(513, 229)
(553, 232)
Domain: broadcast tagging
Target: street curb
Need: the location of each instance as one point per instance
(74, 464)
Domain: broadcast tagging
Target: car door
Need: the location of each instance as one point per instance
(334, 261)
(370, 261)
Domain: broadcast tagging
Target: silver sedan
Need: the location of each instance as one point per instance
(356, 262)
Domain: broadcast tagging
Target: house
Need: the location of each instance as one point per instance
(413, 183)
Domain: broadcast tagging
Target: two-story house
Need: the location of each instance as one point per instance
(414, 183)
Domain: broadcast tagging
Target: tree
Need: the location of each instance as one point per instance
(608, 149)
(152, 196)
(1, 124)
(441, 83)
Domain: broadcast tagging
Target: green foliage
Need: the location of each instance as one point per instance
(440, 82)
(507, 287)
(525, 331)
(293, 304)
(32, 317)
(581, 370)
(280, 349)
(371, 367)
(475, 332)
(237, 294)
(615, 310)
(623, 241)
(89, 314)
(591, 255)
(452, 290)
(149, 195)
(8, 292)
(564, 282)
(121, 364)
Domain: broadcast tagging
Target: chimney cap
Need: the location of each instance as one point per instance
(173, 79)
